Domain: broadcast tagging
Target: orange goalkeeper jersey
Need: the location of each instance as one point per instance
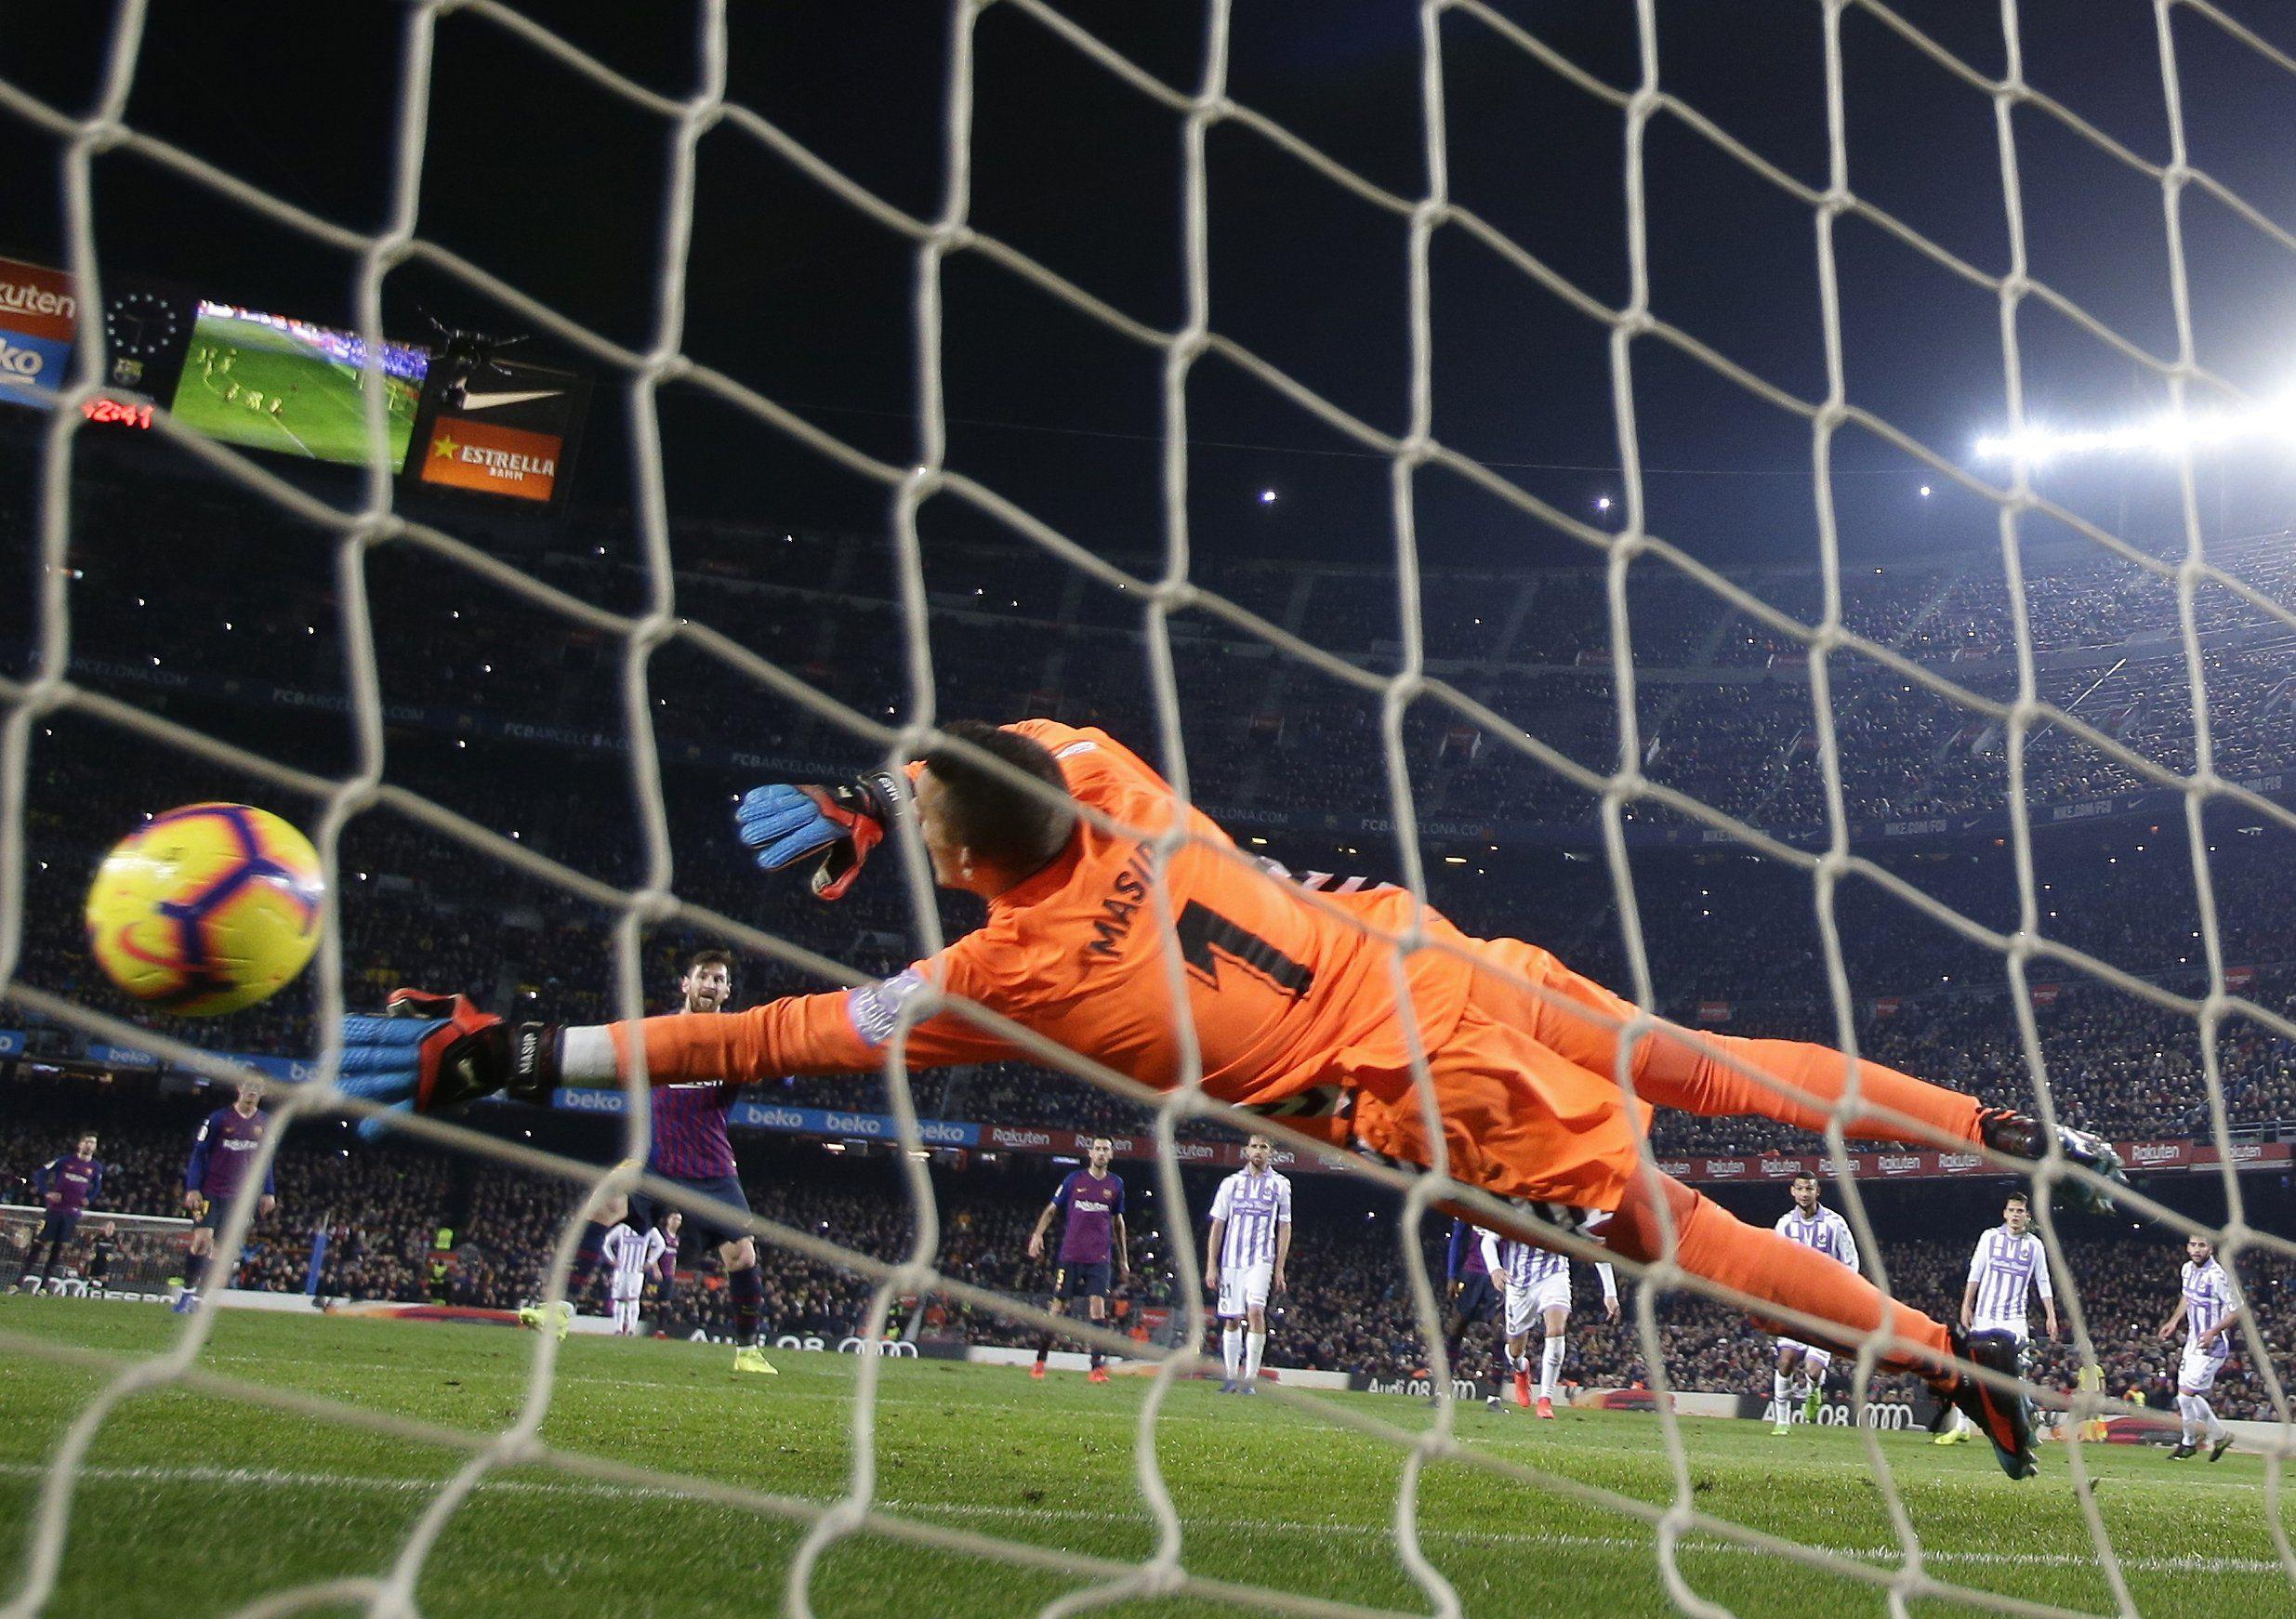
(1287, 990)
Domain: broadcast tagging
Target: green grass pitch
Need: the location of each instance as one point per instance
(193, 1504)
(324, 417)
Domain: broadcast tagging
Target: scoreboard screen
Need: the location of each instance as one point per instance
(272, 382)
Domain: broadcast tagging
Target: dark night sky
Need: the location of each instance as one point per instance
(557, 186)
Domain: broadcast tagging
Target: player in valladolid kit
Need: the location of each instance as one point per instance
(691, 1147)
(1539, 1294)
(630, 1254)
(1296, 1002)
(1244, 1260)
(2008, 1266)
(1092, 1240)
(1802, 1366)
(2208, 1304)
(65, 1187)
(223, 1147)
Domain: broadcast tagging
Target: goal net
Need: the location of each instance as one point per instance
(107, 1254)
(2023, 717)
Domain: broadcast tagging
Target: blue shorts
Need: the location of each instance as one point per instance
(648, 1213)
(1476, 1298)
(1082, 1279)
(59, 1225)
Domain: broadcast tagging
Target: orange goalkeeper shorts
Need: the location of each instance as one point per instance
(1519, 1119)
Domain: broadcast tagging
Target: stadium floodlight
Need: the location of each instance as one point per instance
(2169, 433)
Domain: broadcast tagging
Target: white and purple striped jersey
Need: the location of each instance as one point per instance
(1527, 1267)
(2008, 1270)
(1254, 1205)
(1825, 1231)
(630, 1254)
(2209, 1297)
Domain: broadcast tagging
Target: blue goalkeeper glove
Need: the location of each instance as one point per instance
(428, 1053)
(786, 824)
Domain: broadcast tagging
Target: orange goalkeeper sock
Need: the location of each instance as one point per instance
(1811, 1080)
(1714, 1243)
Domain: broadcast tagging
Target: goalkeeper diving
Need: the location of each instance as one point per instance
(1294, 998)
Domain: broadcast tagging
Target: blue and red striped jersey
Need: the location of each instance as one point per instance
(690, 1141)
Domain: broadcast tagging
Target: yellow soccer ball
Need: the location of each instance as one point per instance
(207, 909)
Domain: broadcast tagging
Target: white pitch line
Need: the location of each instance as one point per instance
(284, 1479)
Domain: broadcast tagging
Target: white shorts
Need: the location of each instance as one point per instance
(1525, 1305)
(2196, 1374)
(1242, 1287)
(1808, 1351)
(2018, 1330)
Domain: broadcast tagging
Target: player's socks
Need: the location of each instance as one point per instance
(1810, 1080)
(748, 1286)
(1781, 1389)
(194, 1272)
(587, 1252)
(1232, 1351)
(1549, 1367)
(1255, 1345)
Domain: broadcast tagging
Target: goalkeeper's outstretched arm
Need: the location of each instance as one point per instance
(430, 1053)
(844, 1031)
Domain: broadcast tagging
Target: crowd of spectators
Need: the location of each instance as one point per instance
(1724, 705)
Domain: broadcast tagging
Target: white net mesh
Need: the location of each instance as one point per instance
(1414, 456)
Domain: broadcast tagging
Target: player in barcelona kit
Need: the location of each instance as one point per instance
(691, 1147)
(1470, 1291)
(2008, 1266)
(65, 1187)
(223, 1149)
(1250, 1241)
(2209, 1305)
(1092, 1239)
(1125, 926)
(1817, 1227)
